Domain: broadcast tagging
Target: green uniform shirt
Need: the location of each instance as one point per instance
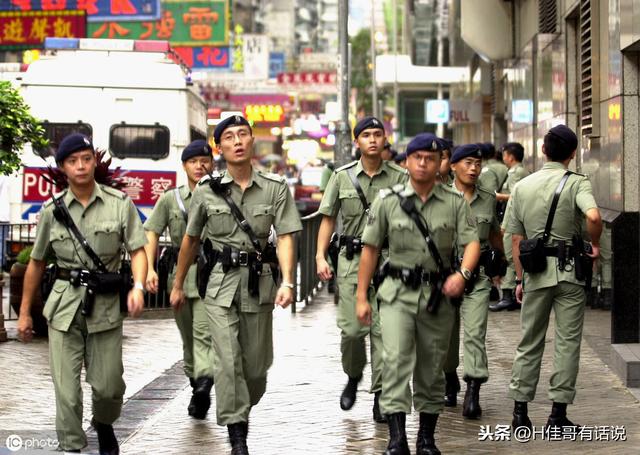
(493, 175)
(167, 212)
(515, 174)
(483, 208)
(265, 202)
(448, 219)
(529, 208)
(109, 221)
(341, 196)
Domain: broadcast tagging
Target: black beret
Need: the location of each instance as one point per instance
(72, 143)
(566, 135)
(365, 124)
(199, 147)
(400, 157)
(427, 142)
(234, 120)
(465, 151)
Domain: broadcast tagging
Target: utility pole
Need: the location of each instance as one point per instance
(396, 101)
(342, 149)
(374, 87)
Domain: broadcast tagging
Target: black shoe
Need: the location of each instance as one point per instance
(192, 405)
(494, 294)
(607, 299)
(106, 438)
(471, 407)
(558, 418)
(377, 415)
(451, 389)
(238, 438)
(520, 416)
(426, 442)
(397, 435)
(202, 397)
(508, 302)
(348, 397)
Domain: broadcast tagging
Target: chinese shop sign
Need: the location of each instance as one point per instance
(205, 58)
(264, 113)
(182, 23)
(97, 10)
(28, 29)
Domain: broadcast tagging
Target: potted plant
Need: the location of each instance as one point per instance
(16, 279)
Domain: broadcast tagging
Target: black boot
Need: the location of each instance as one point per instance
(348, 396)
(426, 443)
(507, 302)
(451, 389)
(192, 405)
(471, 407)
(397, 435)
(106, 438)
(520, 415)
(202, 397)
(558, 417)
(607, 299)
(494, 294)
(377, 415)
(238, 438)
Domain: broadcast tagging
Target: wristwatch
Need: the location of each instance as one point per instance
(466, 273)
(139, 285)
(284, 284)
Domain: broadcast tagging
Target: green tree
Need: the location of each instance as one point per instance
(17, 128)
(361, 68)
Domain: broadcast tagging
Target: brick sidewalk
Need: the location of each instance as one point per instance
(300, 413)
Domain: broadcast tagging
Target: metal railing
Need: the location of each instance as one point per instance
(306, 278)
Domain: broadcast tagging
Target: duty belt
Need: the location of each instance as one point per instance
(357, 243)
(236, 258)
(77, 277)
(413, 277)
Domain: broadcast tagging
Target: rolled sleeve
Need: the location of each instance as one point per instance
(376, 229)
(467, 231)
(159, 218)
(197, 213)
(42, 246)
(287, 218)
(330, 204)
(134, 237)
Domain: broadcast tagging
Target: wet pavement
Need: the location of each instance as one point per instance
(300, 413)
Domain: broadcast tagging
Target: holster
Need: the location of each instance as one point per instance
(126, 284)
(583, 263)
(270, 256)
(255, 272)
(334, 250)
(166, 262)
(206, 262)
(48, 279)
(380, 274)
(436, 296)
(494, 263)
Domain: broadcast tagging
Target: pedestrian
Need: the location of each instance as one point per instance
(351, 190)
(445, 175)
(233, 213)
(548, 267)
(466, 163)
(494, 171)
(401, 160)
(388, 153)
(512, 155)
(172, 211)
(84, 308)
(424, 222)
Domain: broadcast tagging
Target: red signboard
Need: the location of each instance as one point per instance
(307, 78)
(28, 29)
(143, 187)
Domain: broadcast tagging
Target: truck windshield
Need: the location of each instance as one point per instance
(139, 141)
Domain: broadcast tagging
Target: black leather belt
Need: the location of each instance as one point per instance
(77, 275)
(413, 275)
(236, 258)
(357, 241)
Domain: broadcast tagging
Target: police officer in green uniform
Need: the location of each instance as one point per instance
(172, 210)
(512, 155)
(466, 163)
(240, 293)
(557, 287)
(372, 174)
(85, 330)
(416, 314)
(494, 172)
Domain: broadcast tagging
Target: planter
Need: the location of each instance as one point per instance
(16, 278)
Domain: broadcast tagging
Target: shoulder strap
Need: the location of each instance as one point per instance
(61, 213)
(409, 208)
(554, 205)
(181, 203)
(503, 182)
(225, 193)
(356, 185)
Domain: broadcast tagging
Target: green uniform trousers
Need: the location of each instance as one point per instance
(242, 355)
(414, 342)
(193, 325)
(568, 302)
(509, 279)
(474, 312)
(353, 334)
(101, 354)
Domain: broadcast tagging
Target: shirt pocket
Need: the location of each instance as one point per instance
(62, 243)
(177, 226)
(220, 221)
(262, 215)
(443, 235)
(107, 239)
(350, 204)
(402, 232)
(484, 226)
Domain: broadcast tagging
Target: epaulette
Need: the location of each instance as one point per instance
(205, 178)
(113, 192)
(485, 191)
(384, 192)
(170, 189)
(273, 177)
(450, 189)
(395, 167)
(398, 188)
(346, 166)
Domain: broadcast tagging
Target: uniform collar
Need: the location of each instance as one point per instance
(226, 178)
(476, 193)
(437, 192)
(360, 168)
(515, 167)
(185, 191)
(554, 165)
(69, 197)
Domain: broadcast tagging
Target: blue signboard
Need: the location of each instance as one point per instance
(276, 64)
(97, 10)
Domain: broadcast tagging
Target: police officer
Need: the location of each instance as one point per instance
(240, 293)
(388, 153)
(108, 220)
(445, 175)
(494, 171)
(371, 174)
(512, 155)
(415, 325)
(171, 211)
(466, 163)
(556, 287)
